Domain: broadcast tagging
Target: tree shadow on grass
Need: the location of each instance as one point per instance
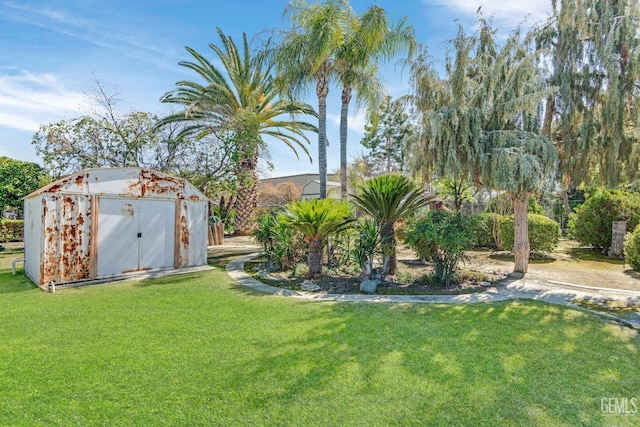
(488, 358)
(18, 283)
(590, 254)
(170, 279)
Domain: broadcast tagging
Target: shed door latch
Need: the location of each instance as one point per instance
(139, 234)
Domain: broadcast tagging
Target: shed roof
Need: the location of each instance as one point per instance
(131, 182)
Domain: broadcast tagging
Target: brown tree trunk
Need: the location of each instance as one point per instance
(322, 90)
(314, 258)
(247, 194)
(549, 111)
(389, 246)
(521, 248)
(344, 120)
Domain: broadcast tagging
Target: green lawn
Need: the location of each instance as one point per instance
(198, 350)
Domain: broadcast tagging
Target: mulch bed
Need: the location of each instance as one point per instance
(348, 284)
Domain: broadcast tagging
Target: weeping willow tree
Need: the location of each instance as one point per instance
(483, 121)
(591, 49)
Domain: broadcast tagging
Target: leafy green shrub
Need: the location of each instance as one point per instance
(317, 220)
(591, 223)
(486, 230)
(632, 249)
(503, 205)
(442, 237)
(341, 246)
(263, 232)
(280, 243)
(368, 244)
(543, 233)
(301, 269)
(11, 230)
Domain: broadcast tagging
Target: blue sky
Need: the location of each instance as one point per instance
(50, 50)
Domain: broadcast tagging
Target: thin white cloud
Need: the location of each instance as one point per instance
(28, 100)
(355, 122)
(92, 31)
(505, 13)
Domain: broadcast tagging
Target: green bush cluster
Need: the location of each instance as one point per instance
(281, 244)
(440, 237)
(503, 205)
(632, 249)
(544, 233)
(591, 222)
(11, 230)
(486, 230)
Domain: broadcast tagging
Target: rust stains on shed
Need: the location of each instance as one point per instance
(64, 224)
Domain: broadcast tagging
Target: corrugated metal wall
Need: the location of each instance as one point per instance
(66, 237)
(33, 237)
(62, 236)
(193, 233)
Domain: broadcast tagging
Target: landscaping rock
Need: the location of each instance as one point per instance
(485, 284)
(287, 293)
(369, 286)
(309, 285)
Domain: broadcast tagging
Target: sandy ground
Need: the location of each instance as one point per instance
(568, 264)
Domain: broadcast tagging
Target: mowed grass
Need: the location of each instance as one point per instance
(198, 350)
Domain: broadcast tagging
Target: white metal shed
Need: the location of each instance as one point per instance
(101, 223)
(312, 190)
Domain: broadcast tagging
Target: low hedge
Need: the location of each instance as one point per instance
(591, 222)
(544, 233)
(11, 230)
(632, 249)
(486, 230)
(503, 205)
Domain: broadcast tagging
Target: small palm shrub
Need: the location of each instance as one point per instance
(632, 249)
(544, 233)
(317, 220)
(441, 237)
(263, 232)
(281, 244)
(341, 246)
(389, 199)
(486, 230)
(367, 245)
(591, 222)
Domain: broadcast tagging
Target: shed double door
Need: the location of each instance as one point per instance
(135, 234)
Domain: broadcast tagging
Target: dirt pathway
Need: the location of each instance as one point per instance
(569, 264)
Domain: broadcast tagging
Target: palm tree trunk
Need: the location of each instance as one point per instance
(521, 248)
(314, 258)
(389, 246)
(247, 194)
(344, 117)
(322, 90)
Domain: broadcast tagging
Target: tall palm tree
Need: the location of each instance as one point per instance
(367, 39)
(389, 199)
(238, 103)
(317, 219)
(306, 57)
